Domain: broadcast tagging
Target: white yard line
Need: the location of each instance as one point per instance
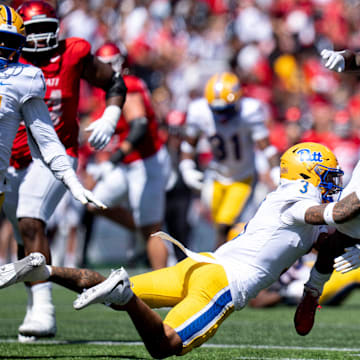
(232, 346)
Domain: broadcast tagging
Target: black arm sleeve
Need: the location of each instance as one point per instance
(116, 87)
(138, 128)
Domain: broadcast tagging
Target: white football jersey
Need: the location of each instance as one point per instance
(18, 83)
(232, 141)
(272, 240)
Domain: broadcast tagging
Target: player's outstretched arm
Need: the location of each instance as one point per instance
(102, 75)
(45, 144)
(334, 213)
(340, 61)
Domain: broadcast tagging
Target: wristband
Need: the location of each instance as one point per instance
(328, 214)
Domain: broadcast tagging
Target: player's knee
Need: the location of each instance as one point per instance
(29, 228)
(168, 344)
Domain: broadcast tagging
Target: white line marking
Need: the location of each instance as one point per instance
(232, 346)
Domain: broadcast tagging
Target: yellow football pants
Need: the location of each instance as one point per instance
(228, 201)
(198, 293)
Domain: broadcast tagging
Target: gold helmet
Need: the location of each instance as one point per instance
(314, 163)
(222, 90)
(12, 35)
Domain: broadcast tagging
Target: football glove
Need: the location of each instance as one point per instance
(348, 261)
(79, 192)
(191, 176)
(103, 128)
(333, 60)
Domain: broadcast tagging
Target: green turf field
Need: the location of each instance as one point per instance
(101, 333)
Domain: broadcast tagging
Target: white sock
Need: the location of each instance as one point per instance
(42, 294)
(317, 280)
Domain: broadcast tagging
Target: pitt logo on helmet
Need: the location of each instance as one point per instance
(307, 155)
(314, 163)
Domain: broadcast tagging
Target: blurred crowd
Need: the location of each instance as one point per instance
(272, 45)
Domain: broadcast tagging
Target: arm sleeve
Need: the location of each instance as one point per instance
(43, 140)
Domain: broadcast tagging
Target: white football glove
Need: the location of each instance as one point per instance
(348, 261)
(333, 60)
(79, 192)
(104, 127)
(192, 177)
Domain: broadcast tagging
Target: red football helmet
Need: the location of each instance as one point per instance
(41, 25)
(110, 53)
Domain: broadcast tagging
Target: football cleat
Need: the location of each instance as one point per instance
(116, 289)
(305, 313)
(41, 323)
(21, 270)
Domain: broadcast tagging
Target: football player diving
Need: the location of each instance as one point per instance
(204, 289)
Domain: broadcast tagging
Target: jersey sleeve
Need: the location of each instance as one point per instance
(255, 115)
(302, 195)
(36, 86)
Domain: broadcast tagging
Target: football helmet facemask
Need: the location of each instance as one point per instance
(222, 92)
(12, 35)
(110, 53)
(41, 24)
(314, 163)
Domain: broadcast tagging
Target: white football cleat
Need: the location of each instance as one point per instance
(41, 323)
(20, 270)
(116, 289)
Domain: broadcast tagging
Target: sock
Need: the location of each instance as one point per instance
(42, 294)
(317, 280)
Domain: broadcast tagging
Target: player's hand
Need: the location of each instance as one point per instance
(85, 196)
(348, 261)
(103, 128)
(333, 60)
(191, 176)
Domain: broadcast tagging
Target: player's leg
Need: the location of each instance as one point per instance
(37, 202)
(198, 292)
(147, 180)
(228, 203)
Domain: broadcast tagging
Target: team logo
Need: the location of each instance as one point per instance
(308, 155)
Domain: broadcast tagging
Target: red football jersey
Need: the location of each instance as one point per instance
(62, 76)
(151, 142)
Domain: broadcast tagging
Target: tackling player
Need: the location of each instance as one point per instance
(140, 164)
(36, 192)
(346, 235)
(204, 289)
(234, 125)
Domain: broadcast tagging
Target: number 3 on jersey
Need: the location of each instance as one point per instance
(304, 189)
